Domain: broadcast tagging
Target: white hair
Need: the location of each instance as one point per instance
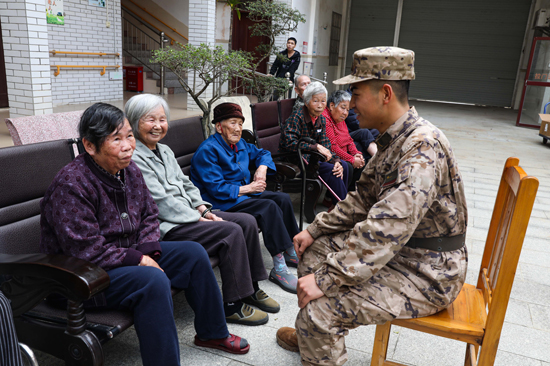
(140, 105)
(313, 89)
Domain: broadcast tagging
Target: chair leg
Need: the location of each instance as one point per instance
(380, 347)
(313, 191)
(471, 354)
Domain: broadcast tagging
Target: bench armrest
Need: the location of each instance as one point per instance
(35, 276)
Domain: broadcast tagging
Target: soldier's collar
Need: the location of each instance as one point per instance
(396, 129)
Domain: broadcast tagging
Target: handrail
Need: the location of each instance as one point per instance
(169, 27)
(311, 77)
(143, 21)
(54, 52)
(86, 66)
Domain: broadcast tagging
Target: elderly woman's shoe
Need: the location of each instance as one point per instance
(287, 338)
(232, 344)
(291, 260)
(262, 301)
(286, 280)
(247, 316)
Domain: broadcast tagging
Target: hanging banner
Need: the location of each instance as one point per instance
(100, 3)
(54, 12)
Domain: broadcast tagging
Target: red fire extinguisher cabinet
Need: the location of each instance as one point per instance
(134, 78)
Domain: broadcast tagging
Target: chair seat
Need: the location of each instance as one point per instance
(463, 320)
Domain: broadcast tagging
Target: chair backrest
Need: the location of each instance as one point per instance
(265, 118)
(242, 101)
(44, 127)
(184, 137)
(27, 172)
(285, 109)
(513, 205)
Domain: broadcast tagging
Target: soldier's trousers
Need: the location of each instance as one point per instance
(322, 324)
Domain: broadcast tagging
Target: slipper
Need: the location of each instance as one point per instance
(232, 344)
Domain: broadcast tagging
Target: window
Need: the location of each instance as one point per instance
(335, 39)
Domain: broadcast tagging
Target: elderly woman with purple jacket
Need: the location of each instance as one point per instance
(98, 208)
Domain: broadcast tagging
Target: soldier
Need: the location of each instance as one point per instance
(395, 247)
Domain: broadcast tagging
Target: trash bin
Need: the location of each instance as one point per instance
(134, 78)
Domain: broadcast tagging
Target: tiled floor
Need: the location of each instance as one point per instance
(482, 139)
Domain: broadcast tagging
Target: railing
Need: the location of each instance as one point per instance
(296, 74)
(152, 16)
(103, 67)
(54, 52)
(139, 45)
(146, 23)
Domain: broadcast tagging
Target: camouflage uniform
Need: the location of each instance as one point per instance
(410, 188)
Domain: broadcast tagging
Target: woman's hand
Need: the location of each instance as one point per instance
(338, 170)
(326, 152)
(358, 161)
(261, 173)
(254, 187)
(147, 261)
(211, 216)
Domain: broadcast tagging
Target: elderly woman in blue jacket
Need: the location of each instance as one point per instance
(184, 215)
(220, 170)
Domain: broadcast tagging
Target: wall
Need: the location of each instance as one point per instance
(316, 32)
(85, 31)
(178, 9)
(24, 35)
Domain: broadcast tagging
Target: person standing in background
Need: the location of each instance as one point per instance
(287, 60)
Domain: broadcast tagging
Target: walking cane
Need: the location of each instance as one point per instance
(308, 140)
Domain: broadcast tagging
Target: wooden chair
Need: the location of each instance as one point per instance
(477, 315)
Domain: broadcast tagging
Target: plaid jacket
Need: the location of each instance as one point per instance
(299, 125)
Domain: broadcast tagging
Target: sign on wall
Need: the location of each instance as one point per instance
(100, 3)
(54, 12)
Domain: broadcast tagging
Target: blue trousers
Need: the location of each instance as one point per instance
(338, 185)
(275, 216)
(146, 292)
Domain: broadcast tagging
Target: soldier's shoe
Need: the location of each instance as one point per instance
(248, 316)
(286, 280)
(291, 260)
(262, 301)
(286, 338)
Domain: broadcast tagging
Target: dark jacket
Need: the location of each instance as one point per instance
(89, 214)
(279, 69)
(300, 125)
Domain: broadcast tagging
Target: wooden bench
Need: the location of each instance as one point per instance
(72, 334)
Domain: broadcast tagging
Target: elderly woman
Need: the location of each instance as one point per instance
(337, 131)
(309, 122)
(183, 215)
(98, 208)
(220, 170)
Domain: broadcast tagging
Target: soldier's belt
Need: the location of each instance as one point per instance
(442, 244)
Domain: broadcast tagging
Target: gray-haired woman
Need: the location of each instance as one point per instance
(309, 122)
(341, 142)
(183, 215)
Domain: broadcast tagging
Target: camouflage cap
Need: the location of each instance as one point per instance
(385, 63)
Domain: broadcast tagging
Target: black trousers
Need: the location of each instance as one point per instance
(236, 242)
(275, 217)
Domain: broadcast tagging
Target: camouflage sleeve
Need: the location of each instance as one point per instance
(390, 222)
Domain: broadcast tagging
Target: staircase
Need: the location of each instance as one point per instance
(139, 40)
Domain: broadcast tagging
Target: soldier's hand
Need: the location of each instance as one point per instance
(301, 241)
(307, 290)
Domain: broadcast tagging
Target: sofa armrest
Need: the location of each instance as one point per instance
(35, 276)
(288, 170)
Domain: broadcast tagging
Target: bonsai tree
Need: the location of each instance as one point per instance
(271, 20)
(211, 66)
